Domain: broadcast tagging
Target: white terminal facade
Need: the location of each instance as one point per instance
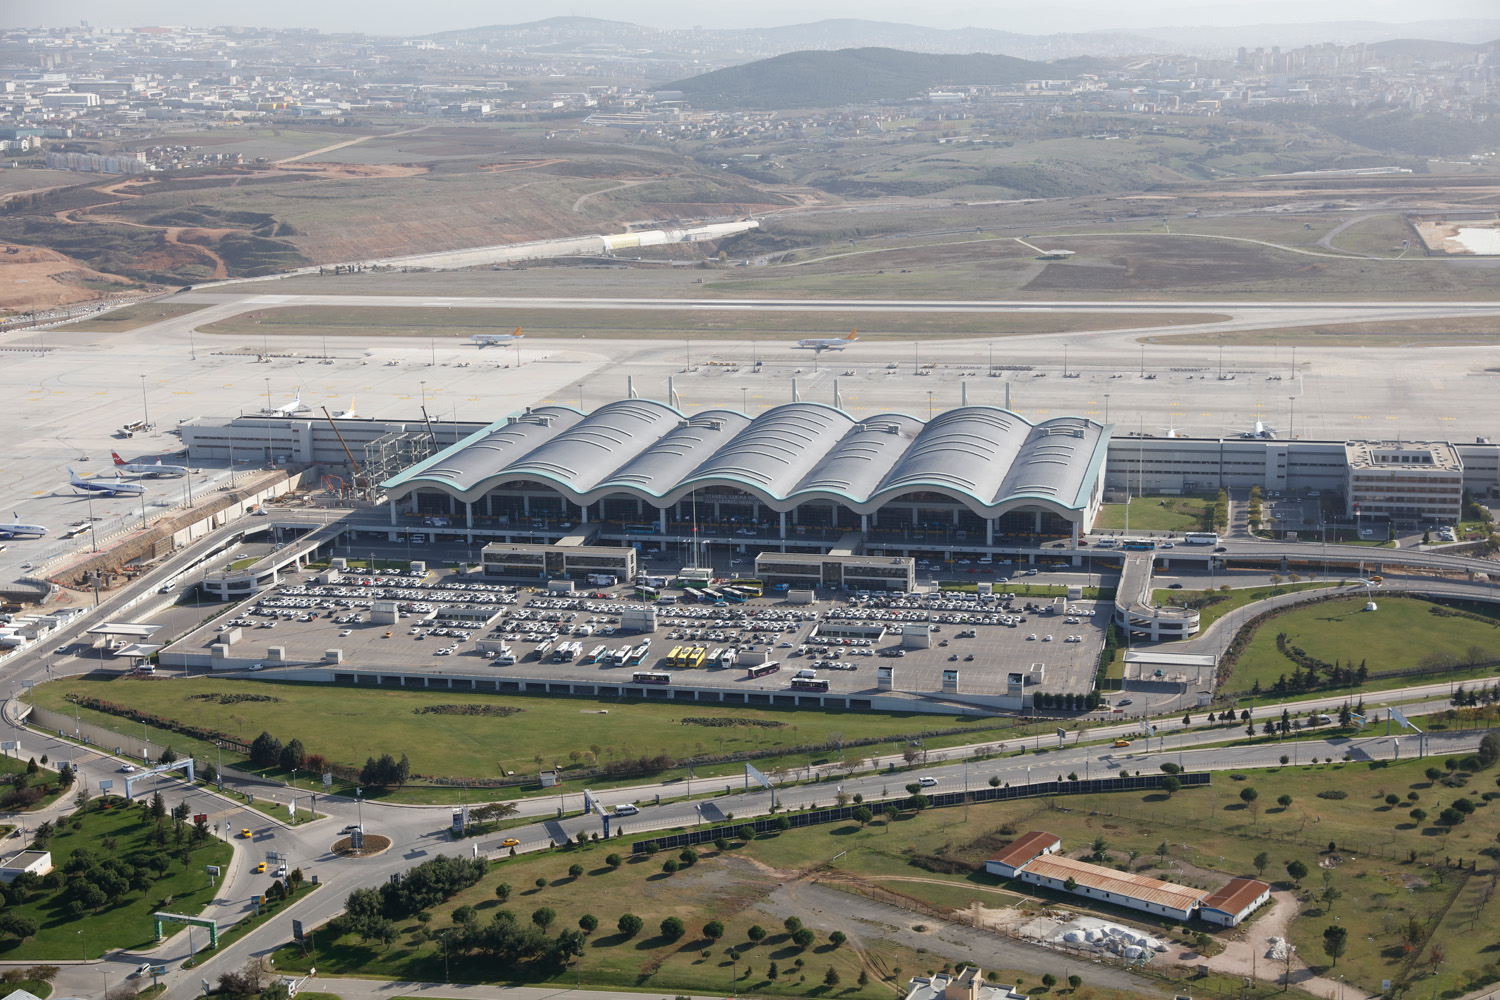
(810, 479)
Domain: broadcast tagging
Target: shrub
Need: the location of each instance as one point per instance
(1333, 793)
(614, 860)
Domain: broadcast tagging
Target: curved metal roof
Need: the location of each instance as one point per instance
(987, 458)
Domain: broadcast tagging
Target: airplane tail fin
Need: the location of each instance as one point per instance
(853, 335)
(518, 334)
(117, 458)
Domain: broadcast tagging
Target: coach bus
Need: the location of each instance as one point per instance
(651, 677)
(1200, 538)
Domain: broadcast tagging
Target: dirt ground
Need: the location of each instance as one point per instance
(353, 171)
(1245, 950)
(44, 279)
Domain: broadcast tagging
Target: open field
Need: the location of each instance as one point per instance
(134, 317)
(1379, 888)
(113, 828)
(1402, 633)
(755, 883)
(1178, 513)
(347, 725)
(1447, 332)
(1377, 235)
(365, 321)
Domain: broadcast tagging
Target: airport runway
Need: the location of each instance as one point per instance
(72, 390)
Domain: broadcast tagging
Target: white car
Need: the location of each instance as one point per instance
(347, 631)
(1031, 636)
(127, 768)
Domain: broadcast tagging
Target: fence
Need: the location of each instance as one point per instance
(940, 800)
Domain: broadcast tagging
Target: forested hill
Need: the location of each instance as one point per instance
(852, 76)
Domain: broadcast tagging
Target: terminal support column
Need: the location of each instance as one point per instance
(989, 531)
(782, 517)
(469, 520)
(661, 521)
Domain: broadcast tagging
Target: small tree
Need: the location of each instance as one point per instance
(863, 815)
(502, 892)
(1171, 785)
(1260, 862)
(837, 938)
(1335, 940)
(575, 871)
(1250, 796)
(672, 928)
(1284, 801)
(614, 860)
(792, 925)
(713, 930)
(1298, 871)
(831, 977)
(1049, 980)
(543, 916)
(756, 934)
(1074, 982)
(803, 937)
(588, 923)
(630, 925)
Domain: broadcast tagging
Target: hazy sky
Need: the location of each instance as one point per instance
(408, 18)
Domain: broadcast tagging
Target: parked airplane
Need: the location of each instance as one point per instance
(497, 339)
(15, 528)
(148, 468)
(287, 409)
(1261, 432)
(112, 486)
(821, 344)
(348, 414)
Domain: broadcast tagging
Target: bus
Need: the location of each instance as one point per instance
(751, 586)
(645, 593)
(542, 650)
(733, 596)
(651, 677)
(810, 683)
(597, 652)
(621, 656)
(638, 654)
(1138, 545)
(694, 659)
(566, 652)
(1200, 538)
(709, 596)
(763, 669)
(674, 658)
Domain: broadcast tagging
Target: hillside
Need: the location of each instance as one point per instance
(848, 76)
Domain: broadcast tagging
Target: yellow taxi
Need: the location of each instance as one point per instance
(260, 869)
(510, 842)
(1122, 743)
(245, 832)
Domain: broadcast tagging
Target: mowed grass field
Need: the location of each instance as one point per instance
(366, 321)
(133, 317)
(1183, 513)
(1400, 634)
(348, 725)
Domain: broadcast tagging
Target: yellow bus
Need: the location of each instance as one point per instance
(674, 658)
(694, 658)
(753, 587)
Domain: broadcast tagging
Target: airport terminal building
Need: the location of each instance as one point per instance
(802, 475)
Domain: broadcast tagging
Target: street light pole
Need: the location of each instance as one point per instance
(145, 410)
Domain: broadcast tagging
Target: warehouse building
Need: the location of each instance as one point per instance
(1033, 859)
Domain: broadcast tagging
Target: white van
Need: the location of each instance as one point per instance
(626, 810)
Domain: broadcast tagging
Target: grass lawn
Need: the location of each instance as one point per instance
(1402, 633)
(350, 724)
(127, 923)
(1448, 332)
(1186, 513)
(133, 317)
(732, 887)
(1225, 601)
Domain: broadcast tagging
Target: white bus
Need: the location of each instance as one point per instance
(1200, 538)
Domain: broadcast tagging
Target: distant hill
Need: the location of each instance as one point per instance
(1429, 49)
(849, 76)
